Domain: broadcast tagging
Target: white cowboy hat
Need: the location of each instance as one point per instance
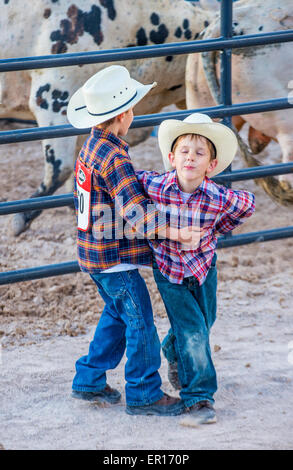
(106, 94)
(221, 136)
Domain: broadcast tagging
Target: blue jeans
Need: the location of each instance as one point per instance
(125, 324)
(191, 309)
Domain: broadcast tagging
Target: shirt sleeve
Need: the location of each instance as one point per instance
(145, 178)
(75, 197)
(238, 205)
(129, 199)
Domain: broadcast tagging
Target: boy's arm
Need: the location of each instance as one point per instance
(145, 178)
(140, 212)
(238, 206)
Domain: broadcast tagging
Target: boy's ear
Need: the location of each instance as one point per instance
(212, 165)
(120, 116)
(171, 158)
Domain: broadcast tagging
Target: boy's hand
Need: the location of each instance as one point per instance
(189, 237)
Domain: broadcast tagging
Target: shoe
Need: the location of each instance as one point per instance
(201, 413)
(173, 375)
(166, 406)
(108, 394)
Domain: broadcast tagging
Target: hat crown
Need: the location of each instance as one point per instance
(198, 118)
(108, 89)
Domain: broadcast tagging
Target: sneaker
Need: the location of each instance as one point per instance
(108, 394)
(201, 413)
(166, 406)
(173, 375)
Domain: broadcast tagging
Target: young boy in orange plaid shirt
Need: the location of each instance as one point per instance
(105, 185)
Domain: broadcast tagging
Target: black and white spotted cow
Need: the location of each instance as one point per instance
(65, 26)
(210, 4)
(259, 73)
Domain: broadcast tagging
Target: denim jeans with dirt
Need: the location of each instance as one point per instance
(191, 309)
(125, 324)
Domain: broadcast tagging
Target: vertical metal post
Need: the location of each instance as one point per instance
(226, 67)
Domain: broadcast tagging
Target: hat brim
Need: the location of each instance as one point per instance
(80, 118)
(223, 138)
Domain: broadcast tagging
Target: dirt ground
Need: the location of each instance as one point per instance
(45, 325)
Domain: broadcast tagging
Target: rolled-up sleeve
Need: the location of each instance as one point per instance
(238, 205)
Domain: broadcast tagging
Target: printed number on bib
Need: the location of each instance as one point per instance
(83, 183)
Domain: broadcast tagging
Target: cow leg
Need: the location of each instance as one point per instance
(198, 94)
(59, 156)
(257, 140)
(238, 122)
(48, 104)
(286, 143)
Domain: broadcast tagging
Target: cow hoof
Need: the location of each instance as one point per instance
(286, 182)
(285, 185)
(19, 224)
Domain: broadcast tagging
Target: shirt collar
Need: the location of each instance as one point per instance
(99, 133)
(206, 186)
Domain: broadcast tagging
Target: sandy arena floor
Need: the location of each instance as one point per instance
(47, 324)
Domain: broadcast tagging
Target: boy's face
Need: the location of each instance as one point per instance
(192, 160)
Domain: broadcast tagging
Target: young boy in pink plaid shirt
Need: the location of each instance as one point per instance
(195, 150)
(106, 195)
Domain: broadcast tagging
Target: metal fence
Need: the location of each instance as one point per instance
(225, 43)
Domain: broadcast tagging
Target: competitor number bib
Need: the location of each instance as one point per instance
(84, 184)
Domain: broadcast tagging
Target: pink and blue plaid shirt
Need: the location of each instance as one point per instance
(212, 207)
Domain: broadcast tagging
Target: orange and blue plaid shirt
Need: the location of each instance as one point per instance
(118, 207)
(212, 207)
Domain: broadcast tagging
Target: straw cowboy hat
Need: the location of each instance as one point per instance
(106, 94)
(221, 136)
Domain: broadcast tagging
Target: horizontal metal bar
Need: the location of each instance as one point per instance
(158, 50)
(33, 122)
(147, 120)
(47, 202)
(219, 111)
(254, 172)
(255, 237)
(44, 202)
(40, 272)
(40, 133)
